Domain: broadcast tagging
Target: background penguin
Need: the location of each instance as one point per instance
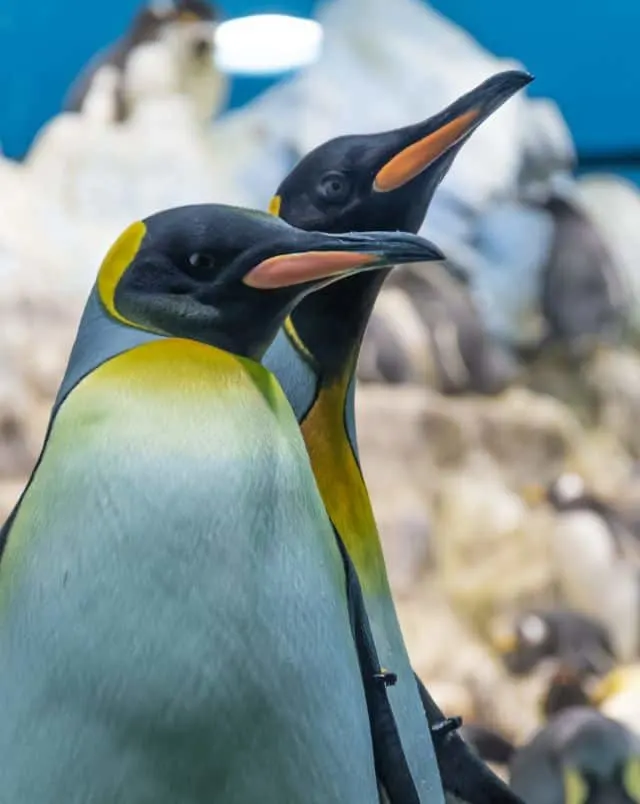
(426, 329)
(579, 757)
(582, 292)
(175, 622)
(597, 560)
(383, 181)
(578, 642)
(169, 44)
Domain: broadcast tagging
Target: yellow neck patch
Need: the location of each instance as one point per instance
(118, 259)
(339, 478)
(274, 206)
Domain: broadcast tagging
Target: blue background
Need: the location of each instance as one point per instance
(584, 60)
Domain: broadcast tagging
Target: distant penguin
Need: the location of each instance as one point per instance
(597, 562)
(579, 757)
(169, 48)
(426, 329)
(579, 643)
(582, 293)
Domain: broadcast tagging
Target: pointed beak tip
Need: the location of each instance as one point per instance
(514, 80)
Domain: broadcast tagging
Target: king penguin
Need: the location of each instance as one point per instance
(383, 181)
(578, 757)
(174, 622)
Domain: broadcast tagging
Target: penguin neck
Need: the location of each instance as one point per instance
(326, 329)
(331, 323)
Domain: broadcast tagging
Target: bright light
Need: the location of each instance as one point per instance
(265, 44)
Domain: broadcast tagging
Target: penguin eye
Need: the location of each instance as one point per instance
(334, 187)
(202, 264)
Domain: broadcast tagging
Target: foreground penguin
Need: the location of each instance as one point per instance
(175, 623)
(384, 181)
(579, 757)
(169, 45)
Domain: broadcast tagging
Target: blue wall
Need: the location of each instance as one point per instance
(583, 60)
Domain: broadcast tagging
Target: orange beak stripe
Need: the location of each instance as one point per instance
(286, 270)
(411, 161)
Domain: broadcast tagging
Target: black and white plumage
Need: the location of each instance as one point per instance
(577, 642)
(597, 561)
(168, 48)
(582, 294)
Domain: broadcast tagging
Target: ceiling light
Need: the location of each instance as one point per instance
(267, 44)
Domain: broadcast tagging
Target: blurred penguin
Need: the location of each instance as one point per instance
(582, 294)
(579, 757)
(577, 642)
(426, 329)
(168, 49)
(596, 560)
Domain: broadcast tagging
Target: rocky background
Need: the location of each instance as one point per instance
(446, 473)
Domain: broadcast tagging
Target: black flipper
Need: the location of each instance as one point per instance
(463, 774)
(392, 768)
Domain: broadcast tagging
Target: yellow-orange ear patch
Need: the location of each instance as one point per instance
(118, 259)
(274, 206)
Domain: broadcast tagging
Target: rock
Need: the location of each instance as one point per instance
(614, 376)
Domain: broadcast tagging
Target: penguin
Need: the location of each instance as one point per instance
(578, 757)
(596, 560)
(580, 643)
(582, 295)
(169, 45)
(384, 181)
(175, 623)
(426, 329)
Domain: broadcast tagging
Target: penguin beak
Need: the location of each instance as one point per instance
(533, 495)
(333, 256)
(418, 146)
(504, 642)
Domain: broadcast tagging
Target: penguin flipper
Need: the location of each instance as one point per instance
(465, 777)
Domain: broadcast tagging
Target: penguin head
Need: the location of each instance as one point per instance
(579, 757)
(186, 27)
(149, 22)
(580, 643)
(228, 276)
(386, 181)
(524, 642)
(566, 490)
